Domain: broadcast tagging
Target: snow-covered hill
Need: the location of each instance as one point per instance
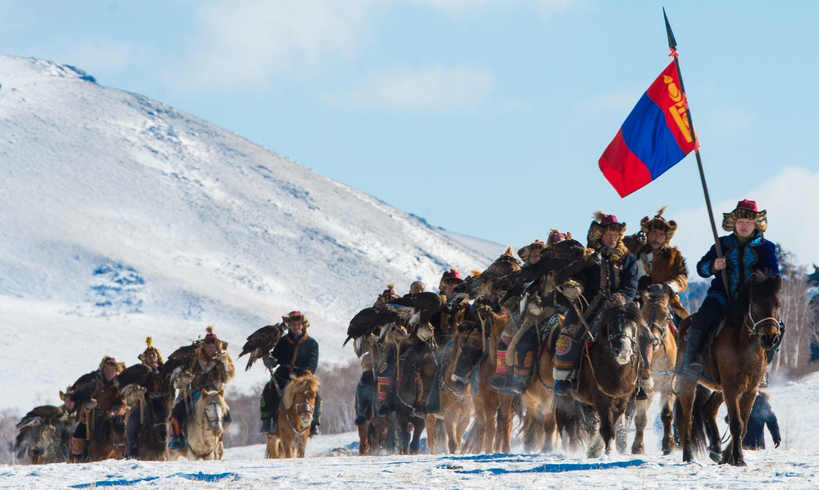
(125, 218)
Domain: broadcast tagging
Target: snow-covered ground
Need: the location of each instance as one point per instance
(333, 464)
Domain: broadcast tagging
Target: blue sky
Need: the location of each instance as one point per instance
(485, 117)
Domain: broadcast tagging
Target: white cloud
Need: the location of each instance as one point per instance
(460, 8)
(247, 44)
(405, 88)
(791, 202)
(621, 102)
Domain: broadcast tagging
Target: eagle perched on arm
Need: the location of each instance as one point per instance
(261, 342)
(410, 311)
(564, 259)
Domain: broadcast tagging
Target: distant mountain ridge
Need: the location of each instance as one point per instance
(124, 217)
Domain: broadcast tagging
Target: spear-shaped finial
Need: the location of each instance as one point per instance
(672, 43)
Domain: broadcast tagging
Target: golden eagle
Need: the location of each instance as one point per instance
(261, 342)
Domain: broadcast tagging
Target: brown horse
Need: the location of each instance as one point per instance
(540, 426)
(456, 409)
(295, 416)
(736, 361)
(491, 430)
(610, 369)
(657, 313)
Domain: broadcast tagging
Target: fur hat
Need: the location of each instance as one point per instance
(211, 338)
(745, 210)
(451, 276)
(659, 223)
(526, 250)
(555, 236)
(113, 362)
(150, 343)
(387, 295)
(601, 224)
(295, 316)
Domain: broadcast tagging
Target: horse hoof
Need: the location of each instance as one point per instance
(638, 449)
(666, 452)
(715, 456)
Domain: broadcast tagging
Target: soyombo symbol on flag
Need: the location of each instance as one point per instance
(655, 136)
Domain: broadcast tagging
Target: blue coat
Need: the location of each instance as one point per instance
(742, 260)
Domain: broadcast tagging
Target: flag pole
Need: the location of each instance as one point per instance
(672, 44)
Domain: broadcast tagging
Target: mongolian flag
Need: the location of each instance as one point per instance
(655, 136)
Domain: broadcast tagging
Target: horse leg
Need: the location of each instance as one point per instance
(432, 434)
(503, 441)
(549, 430)
(735, 403)
(417, 429)
(667, 417)
(709, 415)
(364, 439)
(686, 399)
(640, 422)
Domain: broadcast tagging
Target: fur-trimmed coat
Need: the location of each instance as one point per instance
(212, 374)
(664, 266)
(616, 274)
(741, 259)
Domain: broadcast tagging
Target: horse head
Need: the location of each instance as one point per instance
(160, 405)
(214, 408)
(761, 293)
(300, 396)
(656, 310)
(621, 324)
(38, 438)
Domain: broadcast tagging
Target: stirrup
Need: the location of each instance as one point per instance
(459, 386)
(764, 383)
(692, 371)
(360, 420)
(501, 384)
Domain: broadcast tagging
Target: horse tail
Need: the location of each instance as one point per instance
(698, 438)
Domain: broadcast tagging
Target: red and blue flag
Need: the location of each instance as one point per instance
(655, 136)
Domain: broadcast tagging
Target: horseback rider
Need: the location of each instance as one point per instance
(745, 251)
(530, 255)
(211, 369)
(526, 350)
(151, 358)
(660, 264)
(614, 278)
(296, 354)
(87, 394)
(368, 384)
(385, 393)
(660, 268)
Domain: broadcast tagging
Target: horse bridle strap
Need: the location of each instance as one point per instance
(753, 328)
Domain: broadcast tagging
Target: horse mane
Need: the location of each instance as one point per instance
(615, 312)
(297, 384)
(203, 401)
(762, 285)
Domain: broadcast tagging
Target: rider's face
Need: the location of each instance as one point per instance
(210, 349)
(151, 358)
(109, 371)
(744, 227)
(656, 239)
(534, 256)
(296, 327)
(610, 238)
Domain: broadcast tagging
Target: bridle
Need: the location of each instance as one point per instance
(301, 408)
(754, 326)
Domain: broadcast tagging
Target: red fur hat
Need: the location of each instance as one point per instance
(745, 209)
(601, 224)
(451, 276)
(659, 223)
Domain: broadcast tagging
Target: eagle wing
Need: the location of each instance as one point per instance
(362, 324)
(261, 342)
(180, 359)
(567, 258)
(136, 374)
(45, 413)
(83, 389)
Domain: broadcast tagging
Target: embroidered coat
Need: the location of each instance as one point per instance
(741, 260)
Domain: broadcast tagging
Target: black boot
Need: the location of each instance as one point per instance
(467, 361)
(364, 397)
(563, 387)
(265, 427)
(692, 363)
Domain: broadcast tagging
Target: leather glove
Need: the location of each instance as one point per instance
(269, 362)
(571, 289)
(776, 442)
